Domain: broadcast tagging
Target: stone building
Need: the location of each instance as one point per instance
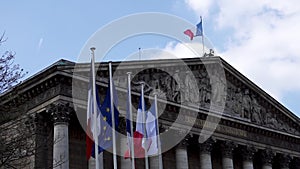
(234, 123)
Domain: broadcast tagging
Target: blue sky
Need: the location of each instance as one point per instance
(259, 38)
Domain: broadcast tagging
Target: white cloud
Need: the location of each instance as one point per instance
(40, 44)
(187, 50)
(174, 50)
(200, 7)
(263, 42)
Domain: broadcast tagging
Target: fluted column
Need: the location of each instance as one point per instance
(296, 162)
(125, 163)
(41, 131)
(205, 154)
(227, 148)
(60, 113)
(284, 161)
(248, 153)
(181, 154)
(267, 156)
(154, 162)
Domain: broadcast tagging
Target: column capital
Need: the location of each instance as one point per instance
(284, 160)
(60, 112)
(267, 156)
(122, 125)
(207, 146)
(184, 142)
(296, 161)
(248, 152)
(227, 148)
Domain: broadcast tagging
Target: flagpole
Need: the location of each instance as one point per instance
(95, 108)
(112, 117)
(131, 121)
(139, 53)
(144, 122)
(160, 166)
(202, 36)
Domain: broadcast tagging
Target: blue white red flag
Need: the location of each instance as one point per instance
(151, 128)
(189, 33)
(139, 134)
(199, 30)
(90, 144)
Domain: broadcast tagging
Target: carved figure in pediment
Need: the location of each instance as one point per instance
(230, 99)
(271, 121)
(217, 87)
(155, 81)
(168, 88)
(238, 101)
(255, 111)
(191, 94)
(204, 88)
(283, 126)
(176, 86)
(246, 106)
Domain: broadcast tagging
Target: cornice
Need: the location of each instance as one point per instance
(62, 72)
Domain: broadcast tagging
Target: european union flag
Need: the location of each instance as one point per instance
(105, 137)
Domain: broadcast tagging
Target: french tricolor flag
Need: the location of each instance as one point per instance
(152, 130)
(90, 135)
(199, 30)
(139, 134)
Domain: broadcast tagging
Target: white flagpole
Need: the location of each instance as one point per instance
(202, 35)
(131, 122)
(139, 53)
(113, 117)
(145, 131)
(160, 165)
(95, 109)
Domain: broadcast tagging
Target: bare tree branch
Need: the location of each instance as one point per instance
(10, 73)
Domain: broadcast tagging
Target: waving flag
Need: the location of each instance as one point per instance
(128, 125)
(151, 128)
(105, 137)
(189, 33)
(199, 30)
(90, 144)
(139, 134)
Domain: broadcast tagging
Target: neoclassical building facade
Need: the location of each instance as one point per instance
(223, 120)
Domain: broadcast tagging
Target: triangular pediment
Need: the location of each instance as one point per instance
(243, 101)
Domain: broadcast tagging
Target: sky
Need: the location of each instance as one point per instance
(259, 37)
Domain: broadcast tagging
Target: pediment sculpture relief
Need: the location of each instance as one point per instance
(180, 88)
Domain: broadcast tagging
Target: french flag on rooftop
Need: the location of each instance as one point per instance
(199, 30)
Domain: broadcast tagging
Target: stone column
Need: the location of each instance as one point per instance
(157, 159)
(122, 145)
(284, 161)
(154, 162)
(296, 162)
(41, 141)
(248, 153)
(60, 113)
(267, 158)
(181, 155)
(227, 148)
(125, 163)
(205, 154)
